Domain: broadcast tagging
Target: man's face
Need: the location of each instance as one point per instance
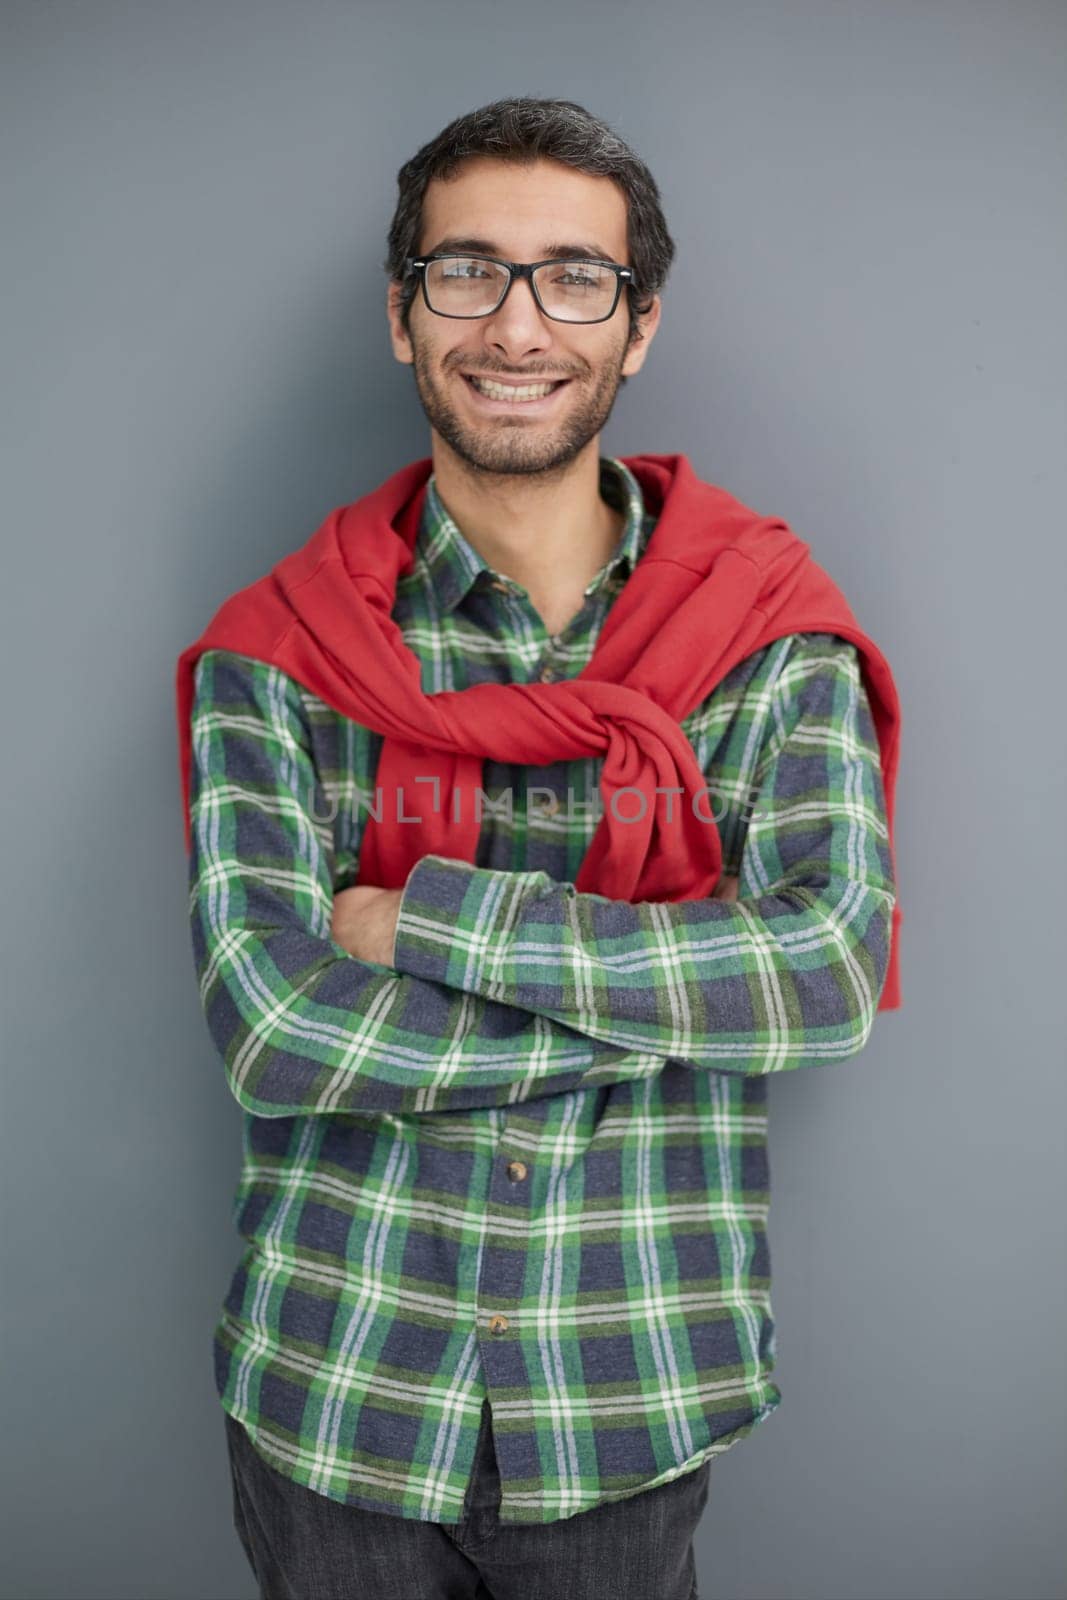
(520, 213)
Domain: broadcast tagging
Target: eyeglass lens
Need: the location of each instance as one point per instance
(573, 291)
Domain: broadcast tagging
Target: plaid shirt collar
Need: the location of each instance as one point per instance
(449, 563)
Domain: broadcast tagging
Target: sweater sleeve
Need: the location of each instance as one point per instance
(302, 1026)
(788, 975)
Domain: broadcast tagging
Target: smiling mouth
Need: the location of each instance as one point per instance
(515, 394)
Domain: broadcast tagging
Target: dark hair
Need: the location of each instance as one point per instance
(525, 130)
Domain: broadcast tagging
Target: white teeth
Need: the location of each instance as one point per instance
(509, 391)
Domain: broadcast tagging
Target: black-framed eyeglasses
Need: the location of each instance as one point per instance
(476, 286)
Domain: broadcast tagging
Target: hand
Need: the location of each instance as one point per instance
(364, 922)
(726, 888)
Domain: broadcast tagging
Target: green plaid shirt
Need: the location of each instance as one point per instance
(527, 1163)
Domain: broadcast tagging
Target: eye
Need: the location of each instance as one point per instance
(464, 267)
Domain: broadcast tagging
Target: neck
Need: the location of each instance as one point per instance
(550, 532)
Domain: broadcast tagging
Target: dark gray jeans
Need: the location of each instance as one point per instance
(302, 1546)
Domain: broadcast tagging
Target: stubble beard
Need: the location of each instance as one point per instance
(500, 448)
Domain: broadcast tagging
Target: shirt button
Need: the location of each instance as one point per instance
(516, 1171)
(549, 806)
(500, 586)
(498, 1324)
(547, 674)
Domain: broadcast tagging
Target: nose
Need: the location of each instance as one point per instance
(518, 324)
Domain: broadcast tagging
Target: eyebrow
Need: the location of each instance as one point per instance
(582, 250)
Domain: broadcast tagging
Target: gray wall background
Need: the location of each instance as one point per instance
(864, 333)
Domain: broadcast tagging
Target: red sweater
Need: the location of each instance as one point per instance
(715, 583)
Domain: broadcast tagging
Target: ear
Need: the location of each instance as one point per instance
(647, 324)
(398, 334)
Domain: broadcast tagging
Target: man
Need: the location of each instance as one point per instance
(506, 1287)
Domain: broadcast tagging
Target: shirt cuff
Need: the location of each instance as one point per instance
(453, 919)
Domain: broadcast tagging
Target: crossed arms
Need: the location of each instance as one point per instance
(505, 986)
